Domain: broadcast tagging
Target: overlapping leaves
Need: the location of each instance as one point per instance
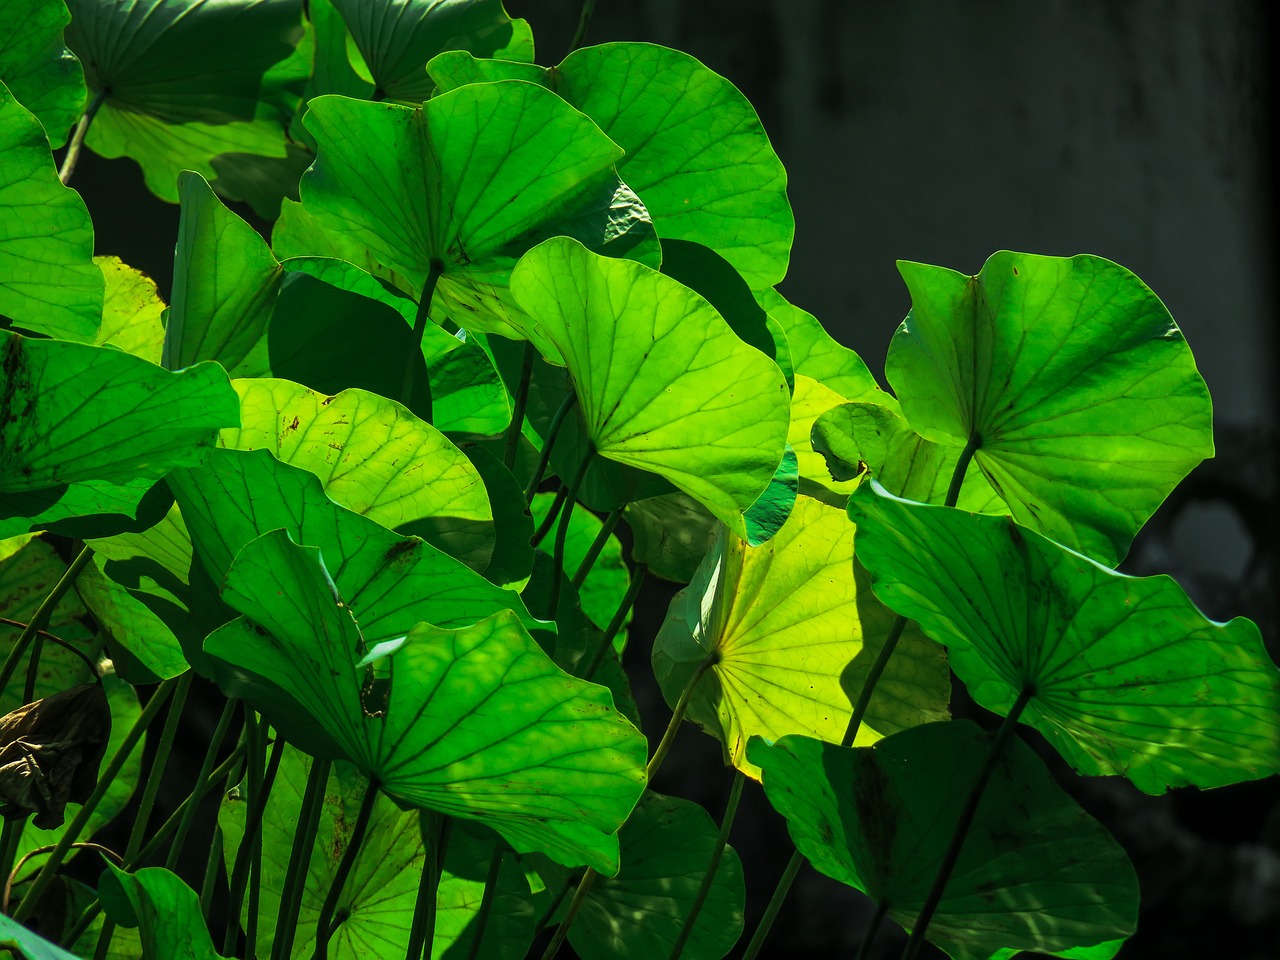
(794, 628)
(471, 722)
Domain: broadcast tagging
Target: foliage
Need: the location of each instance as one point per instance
(365, 482)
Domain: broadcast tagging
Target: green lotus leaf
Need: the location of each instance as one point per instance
(132, 311)
(576, 639)
(796, 629)
(666, 847)
(137, 588)
(606, 582)
(903, 462)
(512, 558)
(396, 38)
(810, 399)
(607, 484)
(334, 326)
(38, 68)
(374, 457)
(815, 354)
(165, 910)
(663, 384)
(670, 535)
(183, 81)
(378, 898)
(473, 722)
(771, 509)
(15, 936)
(1036, 872)
(392, 581)
(48, 281)
(1073, 380)
(468, 182)
(225, 282)
(29, 570)
(71, 412)
(1126, 675)
(696, 152)
(84, 509)
(704, 271)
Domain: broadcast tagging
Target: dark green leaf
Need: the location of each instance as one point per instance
(1036, 872)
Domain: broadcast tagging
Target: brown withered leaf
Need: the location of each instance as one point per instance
(50, 751)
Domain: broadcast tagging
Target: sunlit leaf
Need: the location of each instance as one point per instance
(663, 384)
(795, 628)
(1072, 379)
(71, 412)
(131, 311)
(472, 722)
(48, 281)
(468, 182)
(183, 81)
(38, 68)
(696, 152)
(374, 457)
(1126, 675)
(165, 910)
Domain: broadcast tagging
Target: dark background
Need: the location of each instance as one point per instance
(942, 132)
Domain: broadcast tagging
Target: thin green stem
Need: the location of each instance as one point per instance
(157, 841)
(900, 623)
(558, 899)
(77, 136)
(33, 668)
(775, 904)
(41, 618)
(562, 931)
(961, 468)
(562, 532)
(325, 923)
(251, 844)
(168, 733)
(994, 755)
(548, 443)
(65, 644)
(104, 939)
(519, 401)
(584, 22)
(873, 678)
(619, 617)
(420, 321)
(59, 852)
(304, 841)
(677, 715)
(549, 520)
(869, 936)
(486, 900)
(206, 766)
(593, 552)
(10, 837)
(210, 877)
(422, 929)
(708, 878)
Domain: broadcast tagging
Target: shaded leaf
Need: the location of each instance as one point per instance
(166, 911)
(1036, 872)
